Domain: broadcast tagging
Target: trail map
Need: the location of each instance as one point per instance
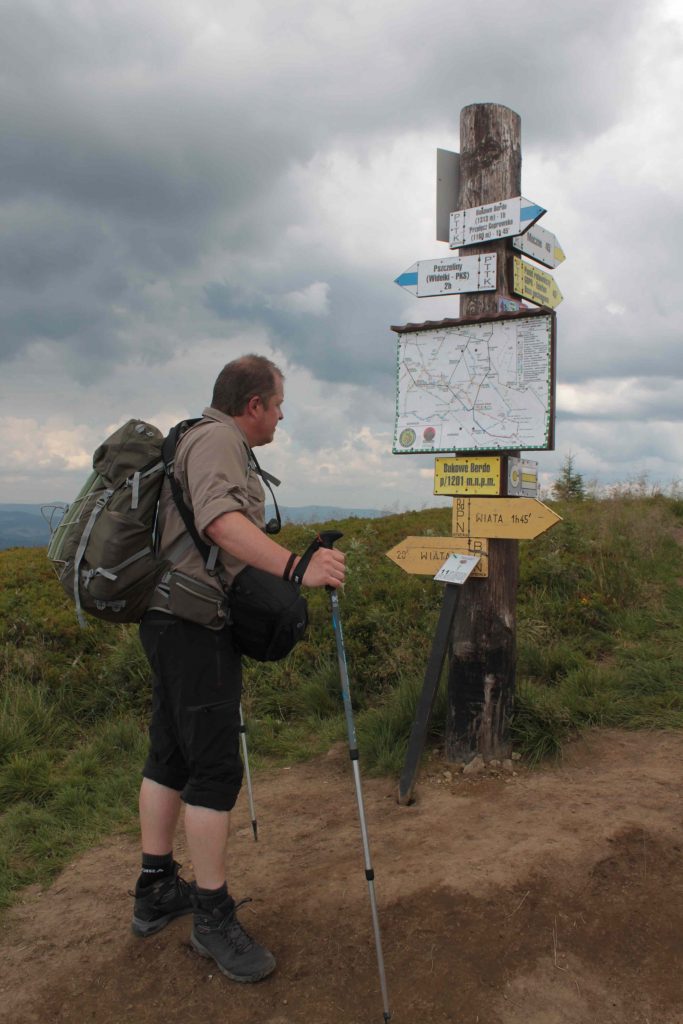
(485, 385)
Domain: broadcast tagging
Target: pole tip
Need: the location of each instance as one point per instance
(255, 828)
(405, 797)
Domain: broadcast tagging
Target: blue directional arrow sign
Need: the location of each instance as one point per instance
(452, 275)
(492, 221)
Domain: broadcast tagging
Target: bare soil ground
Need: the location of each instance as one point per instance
(545, 897)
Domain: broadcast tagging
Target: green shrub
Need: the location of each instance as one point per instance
(599, 637)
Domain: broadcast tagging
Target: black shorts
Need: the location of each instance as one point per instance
(194, 733)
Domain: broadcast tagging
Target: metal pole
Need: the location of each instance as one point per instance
(418, 732)
(353, 752)
(245, 758)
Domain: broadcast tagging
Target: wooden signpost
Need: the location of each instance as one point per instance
(448, 393)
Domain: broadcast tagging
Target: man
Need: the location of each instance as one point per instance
(194, 731)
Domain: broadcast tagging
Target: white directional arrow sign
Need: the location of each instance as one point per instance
(494, 220)
(541, 245)
(450, 276)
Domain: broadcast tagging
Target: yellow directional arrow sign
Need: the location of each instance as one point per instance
(424, 556)
(534, 284)
(502, 518)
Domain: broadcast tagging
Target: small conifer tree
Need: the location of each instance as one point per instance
(569, 484)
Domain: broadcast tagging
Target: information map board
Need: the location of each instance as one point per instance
(476, 385)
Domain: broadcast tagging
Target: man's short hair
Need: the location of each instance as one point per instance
(241, 380)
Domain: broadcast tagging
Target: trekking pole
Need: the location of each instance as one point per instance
(245, 758)
(327, 540)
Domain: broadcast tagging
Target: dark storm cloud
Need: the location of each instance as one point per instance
(592, 343)
(115, 115)
(154, 138)
(39, 243)
(351, 343)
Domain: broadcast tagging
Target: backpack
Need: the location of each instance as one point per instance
(104, 551)
(103, 548)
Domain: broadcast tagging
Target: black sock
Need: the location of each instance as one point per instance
(154, 867)
(210, 898)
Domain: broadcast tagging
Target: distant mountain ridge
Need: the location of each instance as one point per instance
(23, 526)
(322, 513)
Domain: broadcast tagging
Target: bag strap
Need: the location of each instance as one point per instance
(210, 553)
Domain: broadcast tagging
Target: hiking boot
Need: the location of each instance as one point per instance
(218, 934)
(159, 903)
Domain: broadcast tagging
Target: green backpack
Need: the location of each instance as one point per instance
(104, 551)
(103, 548)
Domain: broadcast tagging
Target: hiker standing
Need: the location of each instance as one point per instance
(194, 754)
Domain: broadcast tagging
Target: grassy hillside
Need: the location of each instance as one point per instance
(599, 639)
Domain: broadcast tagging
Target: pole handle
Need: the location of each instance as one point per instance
(329, 537)
(321, 540)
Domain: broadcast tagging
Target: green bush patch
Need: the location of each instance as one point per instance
(599, 638)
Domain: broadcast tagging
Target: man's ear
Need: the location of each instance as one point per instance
(254, 404)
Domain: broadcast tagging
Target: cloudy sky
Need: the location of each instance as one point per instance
(183, 182)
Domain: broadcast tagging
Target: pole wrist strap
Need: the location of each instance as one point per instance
(297, 575)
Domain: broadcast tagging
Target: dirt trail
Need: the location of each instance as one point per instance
(547, 897)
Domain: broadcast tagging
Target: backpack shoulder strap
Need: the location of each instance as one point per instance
(168, 449)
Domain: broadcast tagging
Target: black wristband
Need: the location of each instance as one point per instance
(288, 568)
